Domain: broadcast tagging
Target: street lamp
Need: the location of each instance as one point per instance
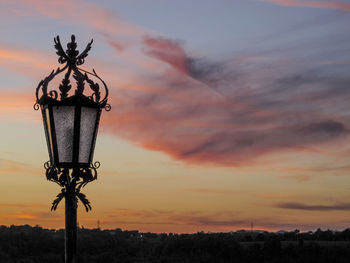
(71, 119)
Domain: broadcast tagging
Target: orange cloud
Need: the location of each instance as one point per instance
(311, 4)
(15, 103)
(21, 216)
(47, 219)
(9, 167)
(18, 205)
(197, 219)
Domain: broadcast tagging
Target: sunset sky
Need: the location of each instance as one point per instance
(224, 113)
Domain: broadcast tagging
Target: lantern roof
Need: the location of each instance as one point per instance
(89, 87)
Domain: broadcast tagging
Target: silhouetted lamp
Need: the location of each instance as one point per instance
(71, 119)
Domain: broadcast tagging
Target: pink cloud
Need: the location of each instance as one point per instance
(216, 113)
(160, 122)
(115, 45)
(311, 4)
(24, 61)
(168, 51)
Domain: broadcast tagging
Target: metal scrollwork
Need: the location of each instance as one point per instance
(71, 181)
(97, 164)
(47, 164)
(108, 107)
(53, 94)
(36, 106)
(71, 58)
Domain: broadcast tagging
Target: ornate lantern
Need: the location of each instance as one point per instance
(71, 119)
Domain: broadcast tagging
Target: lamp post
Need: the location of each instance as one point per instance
(71, 119)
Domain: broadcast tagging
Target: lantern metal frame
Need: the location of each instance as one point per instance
(49, 99)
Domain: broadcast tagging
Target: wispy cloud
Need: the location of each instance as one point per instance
(298, 177)
(20, 216)
(23, 205)
(32, 217)
(167, 50)
(10, 167)
(301, 206)
(77, 11)
(311, 4)
(211, 191)
(305, 173)
(197, 218)
(277, 196)
(23, 60)
(102, 20)
(16, 104)
(191, 123)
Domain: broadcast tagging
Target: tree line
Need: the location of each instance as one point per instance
(26, 244)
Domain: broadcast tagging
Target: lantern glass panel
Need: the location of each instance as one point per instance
(87, 128)
(48, 131)
(64, 127)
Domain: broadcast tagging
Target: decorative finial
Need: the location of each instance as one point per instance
(72, 59)
(71, 49)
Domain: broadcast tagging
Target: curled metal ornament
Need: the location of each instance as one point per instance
(74, 180)
(71, 59)
(96, 164)
(47, 164)
(36, 106)
(108, 107)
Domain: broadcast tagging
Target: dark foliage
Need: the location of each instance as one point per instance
(26, 244)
